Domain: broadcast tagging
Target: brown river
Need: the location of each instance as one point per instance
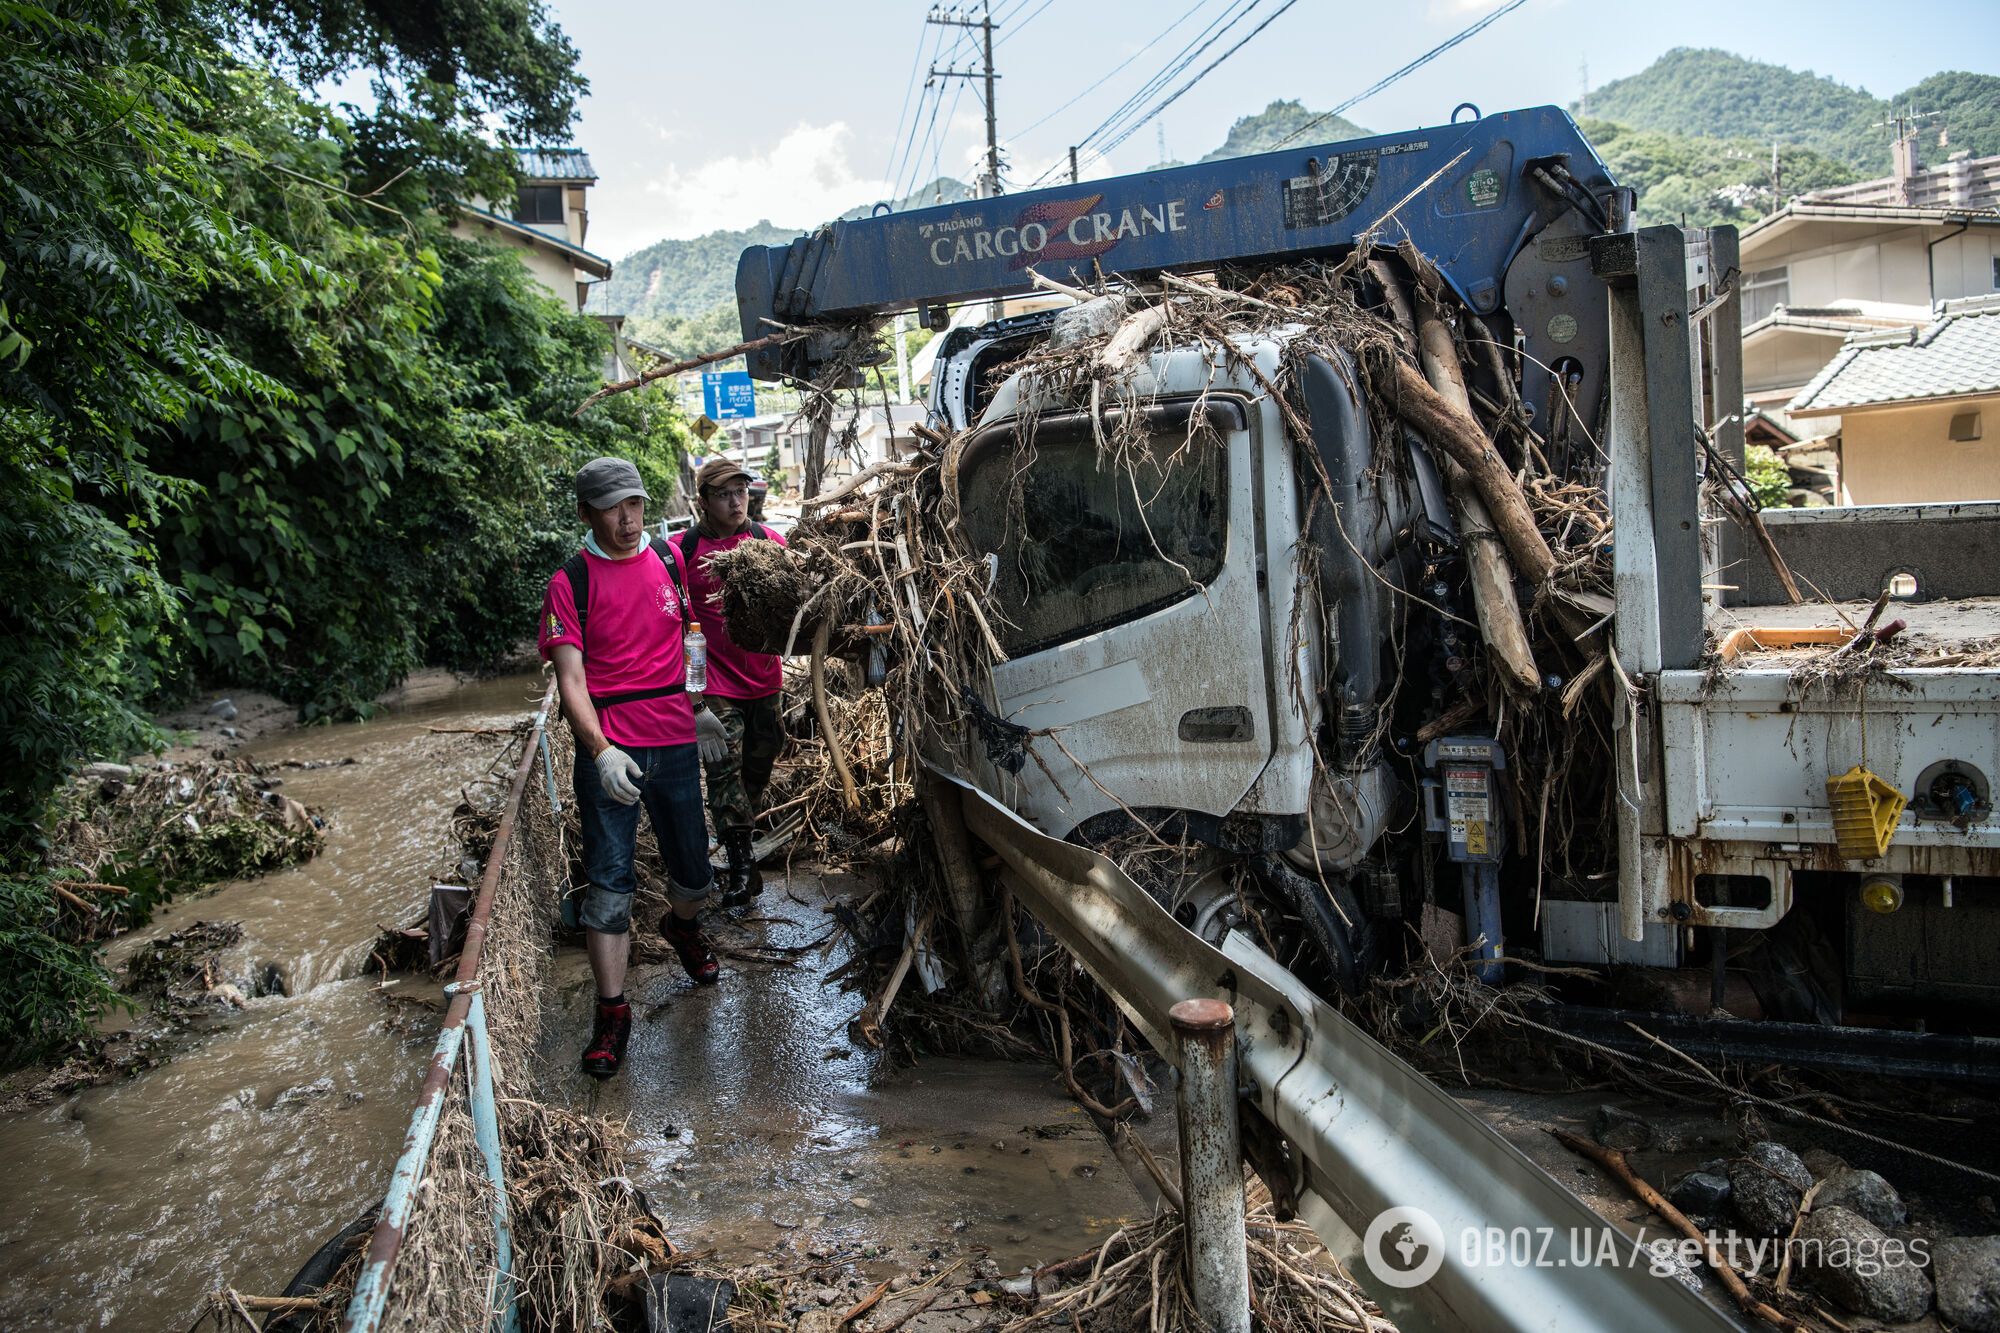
(126, 1205)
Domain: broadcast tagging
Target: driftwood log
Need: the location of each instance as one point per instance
(1443, 415)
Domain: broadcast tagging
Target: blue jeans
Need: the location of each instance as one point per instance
(670, 791)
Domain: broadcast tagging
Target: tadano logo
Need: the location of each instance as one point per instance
(1404, 1247)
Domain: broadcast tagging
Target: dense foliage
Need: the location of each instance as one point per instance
(1719, 95)
(1707, 181)
(1770, 481)
(252, 427)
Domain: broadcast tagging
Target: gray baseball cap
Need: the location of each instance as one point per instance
(604, 482)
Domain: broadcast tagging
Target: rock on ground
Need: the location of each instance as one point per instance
(1616, 1127)
(1967, 1272)
(1768, 1182)
(1850, 1259)
(1865, 1193)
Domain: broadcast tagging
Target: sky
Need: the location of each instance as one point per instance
(709, 116)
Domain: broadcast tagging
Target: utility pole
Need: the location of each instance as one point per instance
(1072, 164)
(1583, 77)
(989, 182)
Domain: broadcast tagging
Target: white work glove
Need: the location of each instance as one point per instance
(708, 732)
(619, 774)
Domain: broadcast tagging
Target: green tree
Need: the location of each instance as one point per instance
(1770, 481)
(440, 72)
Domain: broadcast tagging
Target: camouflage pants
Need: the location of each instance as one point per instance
(736, 782)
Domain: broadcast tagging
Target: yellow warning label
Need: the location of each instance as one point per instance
(1475, 837)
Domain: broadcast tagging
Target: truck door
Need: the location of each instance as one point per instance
(1136, 620)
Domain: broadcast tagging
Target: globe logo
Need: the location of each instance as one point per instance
(1404, 1247)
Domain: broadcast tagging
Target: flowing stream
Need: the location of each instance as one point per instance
(229, 1165)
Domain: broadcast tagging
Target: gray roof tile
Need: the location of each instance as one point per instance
(555, 164)
(1959, 354)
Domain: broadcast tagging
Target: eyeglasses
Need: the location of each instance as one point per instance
(739, 491)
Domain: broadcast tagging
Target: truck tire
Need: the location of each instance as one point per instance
(1338, 935)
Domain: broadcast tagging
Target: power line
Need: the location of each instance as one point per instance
(913, 147)
(909, 85)
(1107, 75)
(1243, 41)
(1233, 12)
(1418, 63)
(1023, 23)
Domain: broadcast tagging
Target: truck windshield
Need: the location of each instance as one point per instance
(1085, 543)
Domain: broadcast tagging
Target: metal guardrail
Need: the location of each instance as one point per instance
(466, 1013)
(1371, 1133)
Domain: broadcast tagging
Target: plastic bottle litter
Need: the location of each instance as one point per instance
(696, 649)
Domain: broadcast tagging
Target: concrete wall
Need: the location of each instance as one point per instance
(1904, 455)
(1952, 550)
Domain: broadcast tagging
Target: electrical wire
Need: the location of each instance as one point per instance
(1231, 15)
(1241, 42)
(1001, 40)
(1418, 63)
(1110, 73)
(1233, 12)
(909, 86)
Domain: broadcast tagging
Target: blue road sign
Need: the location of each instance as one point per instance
(728, 395)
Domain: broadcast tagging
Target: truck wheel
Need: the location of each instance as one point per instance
(1339, 938)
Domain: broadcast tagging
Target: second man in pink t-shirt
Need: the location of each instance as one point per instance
(741, 725)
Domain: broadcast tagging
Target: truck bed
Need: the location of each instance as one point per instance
(1947, 633)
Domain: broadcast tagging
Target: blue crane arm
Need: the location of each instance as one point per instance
(1500, 181)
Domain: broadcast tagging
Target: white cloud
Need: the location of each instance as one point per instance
(804, 179)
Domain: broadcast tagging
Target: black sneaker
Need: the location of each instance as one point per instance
(608, 1035)
(692, 947)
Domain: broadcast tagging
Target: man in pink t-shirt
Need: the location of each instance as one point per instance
(741, 725)
(612, 621)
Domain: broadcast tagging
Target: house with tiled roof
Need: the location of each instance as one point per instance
(1818, 272)
(547, 221)
(1918, 409)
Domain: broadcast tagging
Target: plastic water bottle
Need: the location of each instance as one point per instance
(695, 648)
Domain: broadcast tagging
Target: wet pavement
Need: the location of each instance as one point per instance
(759, 1131)
(127, 1204)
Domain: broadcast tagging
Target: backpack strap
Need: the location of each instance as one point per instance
(578, 569)
(662, 550)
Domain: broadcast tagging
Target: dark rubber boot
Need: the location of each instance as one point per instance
(740, 882)
(608, 1035)
(692, 947)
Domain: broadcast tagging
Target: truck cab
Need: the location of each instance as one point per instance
(1244, 639)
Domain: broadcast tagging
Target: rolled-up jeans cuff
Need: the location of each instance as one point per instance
(606, 911)
(677, 892)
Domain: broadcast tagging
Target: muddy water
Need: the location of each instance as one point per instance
(126, 1204)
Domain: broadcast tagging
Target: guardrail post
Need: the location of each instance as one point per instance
(1212, 1163)
(548, 762)
(486, 1133)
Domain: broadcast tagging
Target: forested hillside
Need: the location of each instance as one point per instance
(1262, 132)
(1720, 95)
(1705, 181)
(680, 278)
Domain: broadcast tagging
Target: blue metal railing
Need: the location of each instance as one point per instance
(464, 1013)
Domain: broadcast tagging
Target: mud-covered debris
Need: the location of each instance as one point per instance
(184, 967)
